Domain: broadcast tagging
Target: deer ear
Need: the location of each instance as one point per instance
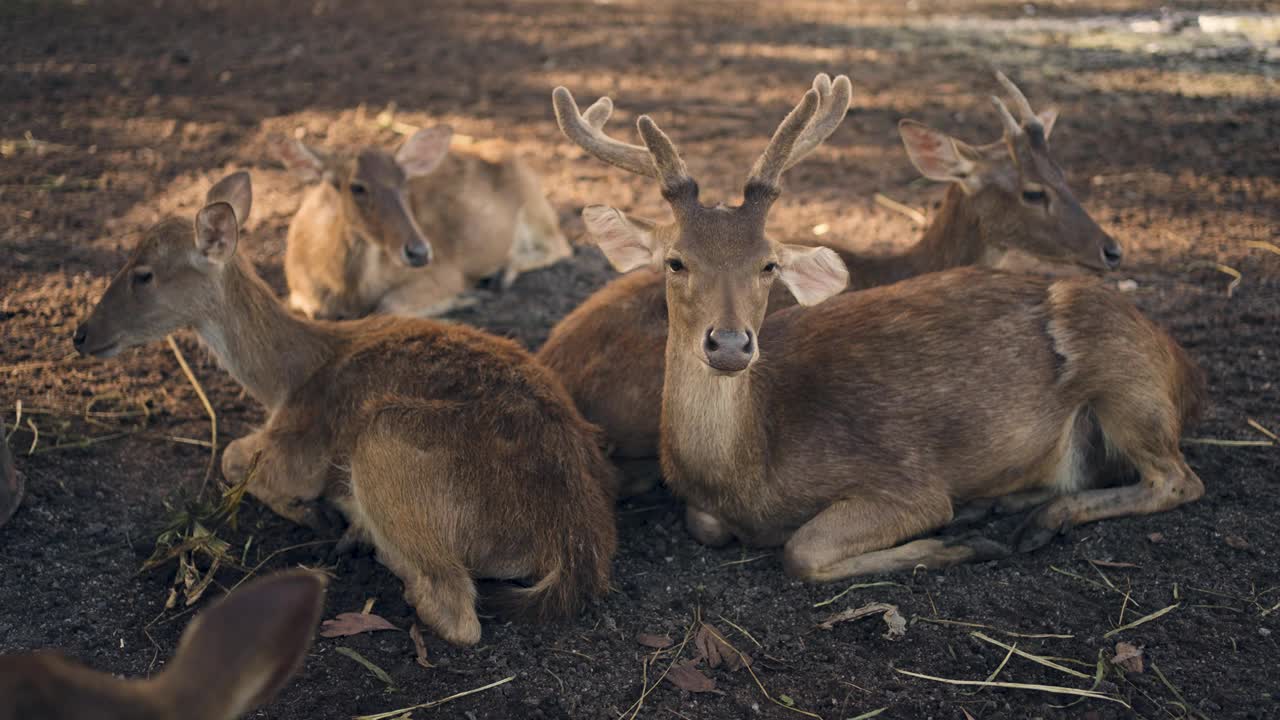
(629, 244)
(1047, 119)
(217, 232)
(301, 160)
(812, 274)
(239, 653)
(939, 156)
(424, 151)
(236, 191)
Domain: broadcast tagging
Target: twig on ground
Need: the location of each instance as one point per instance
(434, 703)
(745, 561)
(1010, 633)
(857, 586)
(1019, 686)
(889, 203)
(1144, 619)
(1033, 658)
(1191, 709)
(208, 408)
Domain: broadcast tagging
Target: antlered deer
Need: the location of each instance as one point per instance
(1008, 206)
(10, 482)
(406, 235)
(452, 451)
(844, 429)
(235, 656)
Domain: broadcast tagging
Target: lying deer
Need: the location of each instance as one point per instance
(452, 451)
(843, 429)
(10, 482)
(1008, 206)
(406, 235)
(235, 656)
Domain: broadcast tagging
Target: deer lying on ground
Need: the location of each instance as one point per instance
(10, 482)
(406, 235)
(452, 451)
(235, 656)
(844, 429)
(1008, 206)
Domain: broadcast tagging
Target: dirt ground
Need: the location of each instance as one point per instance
(113, 114)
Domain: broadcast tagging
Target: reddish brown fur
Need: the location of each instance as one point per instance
(857, 424)
(232, 658)
(608, 351)
(451, 450)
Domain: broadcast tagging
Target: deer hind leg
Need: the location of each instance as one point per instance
(857, 535)
(395, 486)
(434, 291)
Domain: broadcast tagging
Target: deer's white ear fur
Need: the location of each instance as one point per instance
(627, 244)
(812, 274)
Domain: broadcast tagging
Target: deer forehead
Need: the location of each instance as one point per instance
(722, 237)
(171, 238)
(375, 167)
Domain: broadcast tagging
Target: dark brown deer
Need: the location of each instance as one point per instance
(452, 451)
(235, 656)
(11, 481)
(841, 430)
(1008, 207)
(370, 222)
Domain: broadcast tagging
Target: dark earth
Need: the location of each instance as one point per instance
(115, 113)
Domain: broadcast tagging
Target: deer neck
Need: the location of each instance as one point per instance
(265, 348)
(950, 240)
(712, 434)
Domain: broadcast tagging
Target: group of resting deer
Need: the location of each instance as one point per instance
(843, 427)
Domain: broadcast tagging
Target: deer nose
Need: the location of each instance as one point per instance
(1111, 254)
(416, 254)
(82, 334)
(729, 350)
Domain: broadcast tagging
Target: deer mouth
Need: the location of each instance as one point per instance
(109, 350)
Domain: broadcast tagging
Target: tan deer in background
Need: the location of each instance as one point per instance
(234, 657)
(1008, 206)
(408, 234)
(842, 430)
(11, 481)
(453, 452)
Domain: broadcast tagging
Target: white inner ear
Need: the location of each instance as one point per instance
(626, 245)
(1047, 119)
(812, 274)
(425, 150)
(937, 155)
(301, 160)
(217, 232)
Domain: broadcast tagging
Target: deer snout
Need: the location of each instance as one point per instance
(729, 351)
(1112, 253)
(416, 254)
(82, 334)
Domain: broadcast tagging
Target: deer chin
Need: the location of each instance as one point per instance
(109, 350)
(727, 369)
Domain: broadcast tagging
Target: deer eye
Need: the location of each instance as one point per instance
(358, 189)
(1033, 196)
(769, 268)
(675, 265)
(142, 276)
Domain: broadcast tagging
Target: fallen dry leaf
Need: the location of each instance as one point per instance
(687, 676)
(717, 652)
(354, 624)
(657, 642)
(1114, 564)
(967, 716)
(1156, 537)
(1237, 542)
(419, 646)
(1128, 657)
(897, 624)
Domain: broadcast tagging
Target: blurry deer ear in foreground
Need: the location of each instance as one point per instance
(11, 481)
(234, 657)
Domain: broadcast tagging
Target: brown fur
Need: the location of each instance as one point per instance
(850, 427)
(481, 215)
(453, 451)
(609, 350)
(232, 658)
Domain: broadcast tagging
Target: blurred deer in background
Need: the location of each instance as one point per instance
(453, 452)
(844, 429)
(407, 234)
(234, 657)
(1008, 207)
(11, 481)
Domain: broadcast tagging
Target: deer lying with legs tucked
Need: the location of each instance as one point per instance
(1008, 206)
(844, 429)
(235, 656)
(406, 235)
(452, 451)
(10, 482)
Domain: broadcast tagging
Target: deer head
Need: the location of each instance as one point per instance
(1018, 191)
(369, 191)
(718, 260)
(174, 278)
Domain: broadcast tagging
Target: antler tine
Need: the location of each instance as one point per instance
(1020, 100)
(1011, 127)
(671, 169)
(833, 105)
(588, 133)
(773, 161)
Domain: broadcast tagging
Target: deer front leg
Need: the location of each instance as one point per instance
(706, 528)
(435, 291)
(290, 483)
